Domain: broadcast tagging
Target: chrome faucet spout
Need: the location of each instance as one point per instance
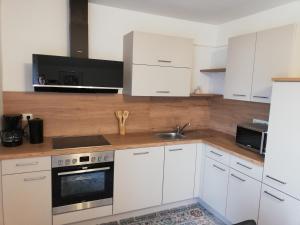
(180, 130)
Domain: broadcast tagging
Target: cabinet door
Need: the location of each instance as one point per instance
(160, 81)
(138, 179)
(179, 173)
(243, 198)
(215, 185)
(155, 49)
(27, 198)
(239, 71)
(273, 58)
(277, 208)
(282, 151)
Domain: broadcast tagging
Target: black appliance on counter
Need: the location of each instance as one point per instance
(36, 131)
(12, 132)
(252, 136)
(76, 75)
(82, 181)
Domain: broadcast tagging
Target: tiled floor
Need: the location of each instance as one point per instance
(186, 215)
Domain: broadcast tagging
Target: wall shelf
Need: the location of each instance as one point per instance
(215, 70)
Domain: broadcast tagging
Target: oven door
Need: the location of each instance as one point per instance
(81, 187)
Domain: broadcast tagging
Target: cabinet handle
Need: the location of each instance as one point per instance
(164, 61)
(34, 178)
(256, 96)
(239, 95)
(279, 181)
(215, 153)
(247, 167)
(141, 153)
(238, 177)
(175, 150)
(27, 164)
(163, 92)
(274, 196)
(219, 167)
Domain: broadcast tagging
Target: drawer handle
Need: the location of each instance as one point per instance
(219, 168)
(215, 153)
(256, 96)
(141, 153)
(175, 150)
(279, 181)
(27, 164)
(274, 196)
(235, 176)
(164, 61)
(34, 178)
(239, 95)
(247, 167)
(163, 92)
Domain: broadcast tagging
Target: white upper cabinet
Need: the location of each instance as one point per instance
(253, 60)
(240, 60)
(157, 65)
(179, 173)
(282, 152)
(161, 50)
(273, 57)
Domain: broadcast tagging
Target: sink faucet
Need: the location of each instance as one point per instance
(179, 130)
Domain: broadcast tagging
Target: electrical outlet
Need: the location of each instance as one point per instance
(25, 115)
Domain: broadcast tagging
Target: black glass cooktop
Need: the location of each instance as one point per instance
(79, 141)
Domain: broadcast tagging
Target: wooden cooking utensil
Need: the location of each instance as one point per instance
(122, 117)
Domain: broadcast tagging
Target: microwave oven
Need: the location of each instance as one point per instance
(252, 136)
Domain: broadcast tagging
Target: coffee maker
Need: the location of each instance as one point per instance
(12, 132)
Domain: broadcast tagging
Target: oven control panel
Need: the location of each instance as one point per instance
(82, 159)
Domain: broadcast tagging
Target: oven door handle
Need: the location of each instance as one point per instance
(83, 171)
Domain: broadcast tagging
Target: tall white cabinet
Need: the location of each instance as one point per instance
(282, 158)
(253, 60)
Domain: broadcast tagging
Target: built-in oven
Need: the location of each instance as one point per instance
(82, 181)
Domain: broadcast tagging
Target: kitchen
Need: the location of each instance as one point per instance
(213, 74)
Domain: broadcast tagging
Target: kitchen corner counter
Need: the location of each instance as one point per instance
(136, 140)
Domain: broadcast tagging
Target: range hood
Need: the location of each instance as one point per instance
(78, 73)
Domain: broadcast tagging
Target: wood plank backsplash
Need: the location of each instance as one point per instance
(83, 114)
(226, 114)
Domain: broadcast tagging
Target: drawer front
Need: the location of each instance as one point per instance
(217, 155)
(248, 168)
(26, 165)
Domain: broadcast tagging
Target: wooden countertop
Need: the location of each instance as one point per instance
(136, 140)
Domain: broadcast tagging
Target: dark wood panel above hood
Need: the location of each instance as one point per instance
(79, 46)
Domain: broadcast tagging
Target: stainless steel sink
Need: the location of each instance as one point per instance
(170, 135)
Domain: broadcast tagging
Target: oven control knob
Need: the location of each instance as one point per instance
(93, 159)
(105, 158)
(99, 159)
(74, 161)
(67, 161)
(60, 162)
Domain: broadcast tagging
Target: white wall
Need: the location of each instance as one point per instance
(41, 26)
(282, 15)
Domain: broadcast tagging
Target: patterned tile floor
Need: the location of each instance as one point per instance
(186, 215)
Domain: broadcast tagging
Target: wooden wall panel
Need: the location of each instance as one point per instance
(82, 114)
(226, 114)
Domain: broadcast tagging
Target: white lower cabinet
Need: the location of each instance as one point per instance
(277, 208)
(138, 179)
(215, 185)
(179, 173)
(27, 198)
(243, 197)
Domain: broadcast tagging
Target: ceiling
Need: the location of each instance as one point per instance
(206, 11)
